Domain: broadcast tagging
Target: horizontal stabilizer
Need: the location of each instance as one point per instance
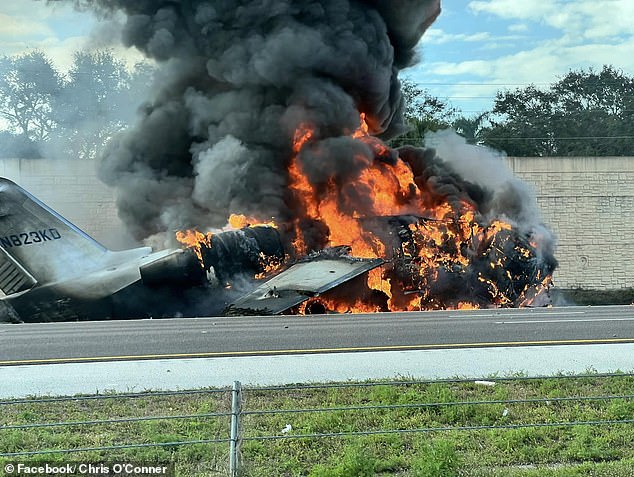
(300, 282)
(13, 278)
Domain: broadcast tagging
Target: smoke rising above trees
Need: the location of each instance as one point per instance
(238, 78)
(277, 110)
(71, 114)
(29, 85)
(423, 113)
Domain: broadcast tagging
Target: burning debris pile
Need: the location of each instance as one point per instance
(409, 208)
(278, 109)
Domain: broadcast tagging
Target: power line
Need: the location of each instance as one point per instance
(554, 83)
(555, 138)
(621, 96)
(477, 84)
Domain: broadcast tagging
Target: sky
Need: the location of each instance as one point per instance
(475, 48)
(58, 30)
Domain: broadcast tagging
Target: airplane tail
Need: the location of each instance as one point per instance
(39, 246)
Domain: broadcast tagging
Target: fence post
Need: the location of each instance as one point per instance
(236, 409)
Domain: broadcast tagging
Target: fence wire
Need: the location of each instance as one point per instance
(99, 397)
(437, 381)
(239, 413)
(115, 421)
(437, 404)
(437, 429)
(115, 447)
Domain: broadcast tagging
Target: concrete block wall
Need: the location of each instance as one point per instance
(71, 188)
(589, 203)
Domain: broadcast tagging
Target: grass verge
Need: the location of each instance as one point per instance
(516, 450)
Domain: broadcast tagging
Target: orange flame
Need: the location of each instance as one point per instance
(269, 266)
(239, 221)
(390, 188)
(195, 240)
(443, 236)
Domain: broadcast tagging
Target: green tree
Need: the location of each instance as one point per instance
(472, 129)
(99, 98)
(14, 145)
(29, 86)
(423, 112)
(73, 115)
(88, 108)
(584, 113)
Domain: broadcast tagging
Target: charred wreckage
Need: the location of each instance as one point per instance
(273, 117)
(55, 272)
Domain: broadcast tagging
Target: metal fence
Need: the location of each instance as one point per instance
(233, 419)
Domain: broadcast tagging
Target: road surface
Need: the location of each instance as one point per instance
(45, 343)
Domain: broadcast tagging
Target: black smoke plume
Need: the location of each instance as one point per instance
(238, 78)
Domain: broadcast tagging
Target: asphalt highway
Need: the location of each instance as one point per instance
(45, 343)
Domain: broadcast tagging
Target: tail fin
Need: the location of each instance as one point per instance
(39, 245)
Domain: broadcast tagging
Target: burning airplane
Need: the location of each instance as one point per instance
(278, 113)
(50, 270)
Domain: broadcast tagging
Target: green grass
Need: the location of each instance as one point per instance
(605, 450)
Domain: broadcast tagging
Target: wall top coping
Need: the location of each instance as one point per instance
(551, 164)
(21, 169)
(554, 164)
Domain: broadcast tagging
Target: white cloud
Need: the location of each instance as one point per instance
(542, 65)
(472, 67)
(582, 34)
(530, 10)
(61, 51)
(436, 36)
(12, 27)
(518, 28)
(56, 29)
(578, 18)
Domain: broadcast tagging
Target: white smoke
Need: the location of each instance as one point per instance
(512, 198)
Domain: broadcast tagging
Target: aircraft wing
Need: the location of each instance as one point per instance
(300, 282)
